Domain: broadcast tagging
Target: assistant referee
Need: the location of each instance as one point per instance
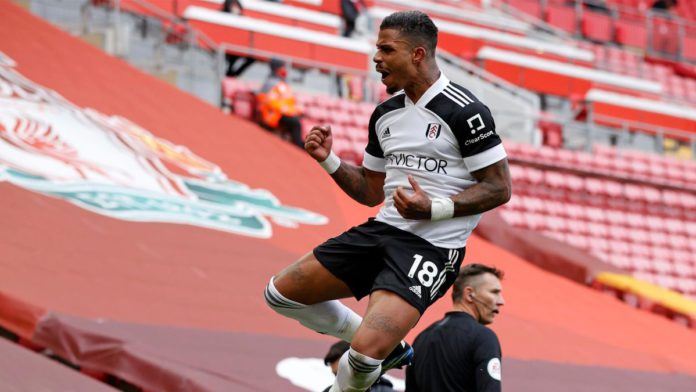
(458, 353)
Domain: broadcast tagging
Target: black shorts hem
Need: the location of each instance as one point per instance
(405, 295)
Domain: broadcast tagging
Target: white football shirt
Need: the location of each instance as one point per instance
(439, 140)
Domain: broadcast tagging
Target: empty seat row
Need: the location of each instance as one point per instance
(598, 191)
(578, 213)
(629, 236)
(335, 104)
(609, 160)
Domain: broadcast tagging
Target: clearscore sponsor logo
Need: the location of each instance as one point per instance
(478, 138)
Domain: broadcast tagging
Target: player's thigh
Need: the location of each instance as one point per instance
(308, 282)
(387, 321)
(342, 266)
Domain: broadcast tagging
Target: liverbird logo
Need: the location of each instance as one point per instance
(111, 166)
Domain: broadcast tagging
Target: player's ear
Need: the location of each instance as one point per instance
(418, 55)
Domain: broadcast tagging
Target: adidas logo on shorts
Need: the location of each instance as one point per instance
(416, 290)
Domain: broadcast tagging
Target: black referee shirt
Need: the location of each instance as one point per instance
(455, 354)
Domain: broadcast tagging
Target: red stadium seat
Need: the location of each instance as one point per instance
(656, 223)
(666, 281)
(638, 168)
(678, 241)
(681, 256)
(658, 238)
(577, 226)
(555, 207)
(534, 204)
(675, 226)
(621, 261)
(630, 33)
(616, 217)
(555, 223)
(512, 217)
(641, 264)
(686, 285)
(684, 270)
(596, 26)
(662, 267)
(619, 233)
(636, 220)
(534, 221)
(575, 211)
(595, 214)
(515, 203)
(639, 236)
(578, 241)
(641, 250)
(561, 17)
(598, 229)
(531, 7)
(599, 243)
(556, 235)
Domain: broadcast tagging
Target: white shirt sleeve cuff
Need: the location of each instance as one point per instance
(373, 163)
(485, 158)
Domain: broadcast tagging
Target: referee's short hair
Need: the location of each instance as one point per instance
(416, 25)
(467, 274)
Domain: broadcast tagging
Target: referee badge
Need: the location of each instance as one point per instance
(433, 131)
(493, 368)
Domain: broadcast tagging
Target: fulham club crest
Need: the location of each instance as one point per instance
(433, 131)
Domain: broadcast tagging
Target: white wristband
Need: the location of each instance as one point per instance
(331, 163)
(441, 208)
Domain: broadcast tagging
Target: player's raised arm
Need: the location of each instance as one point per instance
(363, 185)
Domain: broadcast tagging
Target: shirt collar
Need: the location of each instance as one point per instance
(431, 92)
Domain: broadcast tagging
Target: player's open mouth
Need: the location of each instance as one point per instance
(385, 75)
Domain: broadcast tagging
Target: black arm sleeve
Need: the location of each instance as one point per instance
(474, 129)
(487, 357)
(373, 147)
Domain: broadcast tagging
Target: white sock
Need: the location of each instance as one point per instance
(330, 317)
(356, 372)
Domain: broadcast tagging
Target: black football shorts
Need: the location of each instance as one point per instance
(375, 256)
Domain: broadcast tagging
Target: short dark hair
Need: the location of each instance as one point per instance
(416, 25)
(467, 273)
(336, 351)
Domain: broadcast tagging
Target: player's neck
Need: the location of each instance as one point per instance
(421, 84)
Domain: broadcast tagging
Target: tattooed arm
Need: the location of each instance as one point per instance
(363, 185)
(494, 188)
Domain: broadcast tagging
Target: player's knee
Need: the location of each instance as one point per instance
(278, 302)
(371, 349)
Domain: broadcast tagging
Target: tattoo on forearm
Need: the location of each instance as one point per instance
(477, 199)
(353, 181)
(493, 189)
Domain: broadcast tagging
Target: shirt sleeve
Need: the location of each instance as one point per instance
(487, 359)
(479, 144)
(374, 156)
